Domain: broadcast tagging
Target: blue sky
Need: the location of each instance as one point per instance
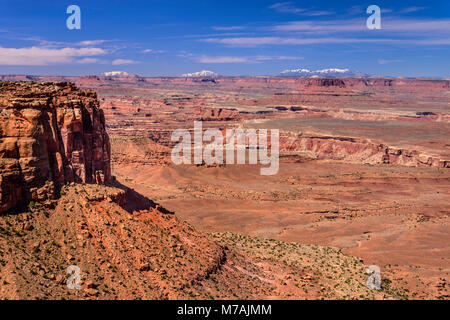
(169, 38)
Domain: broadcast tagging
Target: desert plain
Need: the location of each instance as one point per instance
(363, 180)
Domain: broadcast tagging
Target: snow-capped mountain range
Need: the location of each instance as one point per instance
(201, 74)
(115, 73)
(300, 72)
(332, 72)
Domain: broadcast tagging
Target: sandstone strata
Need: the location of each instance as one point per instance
(50, 134)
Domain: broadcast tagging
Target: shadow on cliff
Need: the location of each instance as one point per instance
(136, 201)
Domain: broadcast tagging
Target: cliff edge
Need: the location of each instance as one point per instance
(51, 133)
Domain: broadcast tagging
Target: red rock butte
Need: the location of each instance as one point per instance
(50, 134)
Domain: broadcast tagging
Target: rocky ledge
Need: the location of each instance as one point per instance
(51, 133)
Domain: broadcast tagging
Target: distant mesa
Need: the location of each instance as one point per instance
(115, 73)
(201, 74)
(332, 72)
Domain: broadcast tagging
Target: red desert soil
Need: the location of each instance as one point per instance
(129, 248)
(363, 173)
(364, 167)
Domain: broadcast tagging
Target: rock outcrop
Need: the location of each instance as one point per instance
(51, 133)
(355, 150)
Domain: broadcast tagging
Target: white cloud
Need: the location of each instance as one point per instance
(123, 61)
(231, 28)
(243, 41)
(394, 30)
(91, 42)
(257, 41)
(416, 25)
(318, 13)
(42, 56)
(289, 7)
(152, 51)
(242, 59)
(206, 59)
(268, 58)
(384, 10)
(384, 61)
(89, 61)
(185, 54)
(358, 24)
(412, 9)
(328, 26)
(286, 7)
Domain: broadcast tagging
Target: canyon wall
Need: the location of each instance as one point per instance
(51, 133)
(356, 150)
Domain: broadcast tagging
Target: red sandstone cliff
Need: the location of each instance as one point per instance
(50, 134)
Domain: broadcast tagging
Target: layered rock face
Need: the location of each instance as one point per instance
(356, 150)
(50, 133)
